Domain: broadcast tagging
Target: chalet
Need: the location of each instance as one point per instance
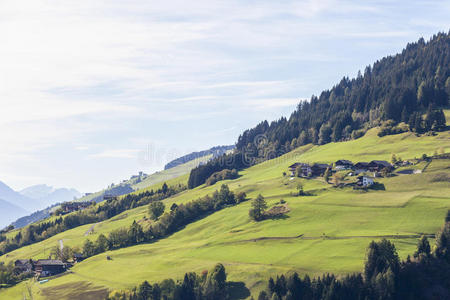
(364, 181)
(68, 207)
(305, 169)
(361, 167)
(378, 165)
(49, 267)
(343, 164)
(23, 266)
(319, 169)
(294, 166)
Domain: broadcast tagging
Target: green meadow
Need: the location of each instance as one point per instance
(327, 231)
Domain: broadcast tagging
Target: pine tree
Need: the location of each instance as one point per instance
(423, 247)
(258, 207)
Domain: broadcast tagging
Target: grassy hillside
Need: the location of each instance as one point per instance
(175, 172)
(326, 232)
(152, 181)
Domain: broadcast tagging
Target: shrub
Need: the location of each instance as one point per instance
(221, 175)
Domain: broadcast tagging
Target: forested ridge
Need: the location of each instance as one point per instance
(393, 93)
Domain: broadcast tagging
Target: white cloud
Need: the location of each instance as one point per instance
(83, 78)
(116, 153)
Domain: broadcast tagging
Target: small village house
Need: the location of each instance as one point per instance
(364, 181)
(343, 164)
(361, 167)
(304, 169)
(49, 267)
(319, 169)
(68, 207)
(23, 266)
(378, 165)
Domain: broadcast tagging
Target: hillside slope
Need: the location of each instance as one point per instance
(214, 151)
(402, 92)
(9, 212)
(326, 232)
(48, 195)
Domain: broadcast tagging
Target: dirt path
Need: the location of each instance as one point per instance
(61, 245)
(302, 237)
(90, 229)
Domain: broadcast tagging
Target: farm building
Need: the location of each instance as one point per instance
(378, 165)
(361, 167)
(49, 267)
(68, 207)
(364, 181)
(23, 266)
(304, 169)
(343, 164)
(319, 169)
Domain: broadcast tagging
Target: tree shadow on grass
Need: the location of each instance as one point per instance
(237, 290)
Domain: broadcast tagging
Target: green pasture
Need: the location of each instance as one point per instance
(327, 231)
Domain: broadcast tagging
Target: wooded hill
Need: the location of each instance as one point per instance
(395, 89)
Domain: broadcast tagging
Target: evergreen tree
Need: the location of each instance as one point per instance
(156, 209)
(423, 247)
(144, 291)
(88, 248)
(326, 175)
(325, 134)
(258, 207)
(135, 234)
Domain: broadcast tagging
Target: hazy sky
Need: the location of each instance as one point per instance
(92, 92)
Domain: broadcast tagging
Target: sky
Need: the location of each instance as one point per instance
(92, 92)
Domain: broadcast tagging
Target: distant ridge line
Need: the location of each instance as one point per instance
(215, 151)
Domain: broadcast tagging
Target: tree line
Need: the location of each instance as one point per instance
(399, 89)
(41, 231)
(165, 224)
(209, 285)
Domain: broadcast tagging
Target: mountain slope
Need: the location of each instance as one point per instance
(214, 152)
(9, 212)
(47, 195)
(399, 88)
(15, 198)
(409, 206)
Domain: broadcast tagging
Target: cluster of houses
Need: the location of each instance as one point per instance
(44, 267)
(68, 207)
(376, 166)
(40, 267)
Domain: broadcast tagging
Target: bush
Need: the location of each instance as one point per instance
(240, 197)
(156, 209)
(388, 127)
(221, 175)
(356, 134)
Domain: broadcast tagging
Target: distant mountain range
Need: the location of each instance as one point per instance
(47, 195)
(16, 204)
(215, 151)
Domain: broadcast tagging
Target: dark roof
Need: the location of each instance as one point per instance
(381, 162)
(324, 166)
(297, 164)
(364, 164)
(22, 261)
(47, 262)
(344, 161)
